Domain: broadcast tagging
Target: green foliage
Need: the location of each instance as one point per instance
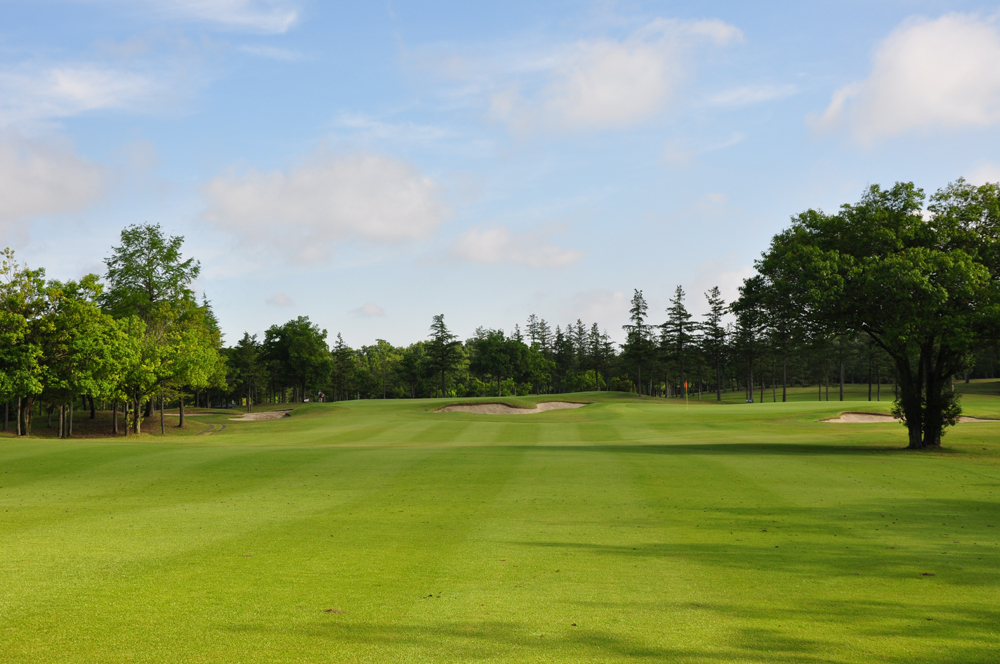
(923, 285)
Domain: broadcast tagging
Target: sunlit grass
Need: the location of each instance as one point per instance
(386, 532)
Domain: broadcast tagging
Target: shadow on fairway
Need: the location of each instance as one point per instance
(479, 640)
(789, 449)
(472, 640)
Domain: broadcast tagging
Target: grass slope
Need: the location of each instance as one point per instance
(385, 532)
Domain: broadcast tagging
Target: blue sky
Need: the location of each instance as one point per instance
(370, 165)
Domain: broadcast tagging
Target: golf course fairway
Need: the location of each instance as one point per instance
(626, 530)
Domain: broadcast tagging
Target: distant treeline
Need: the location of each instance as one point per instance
(881, 293)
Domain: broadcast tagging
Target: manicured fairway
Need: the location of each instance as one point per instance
(626, 530)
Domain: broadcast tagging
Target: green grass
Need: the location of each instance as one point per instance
(631, 529)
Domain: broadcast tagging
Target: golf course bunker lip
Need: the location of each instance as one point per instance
(266, 415)
(871, 418)
(504, 409)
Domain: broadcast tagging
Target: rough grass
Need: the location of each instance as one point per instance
(631, 529)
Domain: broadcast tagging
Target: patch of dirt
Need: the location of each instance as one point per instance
(266, 415)
(504, 409)
(870, 418)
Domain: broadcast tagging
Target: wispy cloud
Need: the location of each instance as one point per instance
(369, 310)
(926, 75)
(30, 92)
(279, 300)
(259, 16)
(498, 244)
(747, 95)
(274, 53)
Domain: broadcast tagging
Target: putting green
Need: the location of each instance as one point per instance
(387, 532)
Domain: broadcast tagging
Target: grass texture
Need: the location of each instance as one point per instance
(629, 530)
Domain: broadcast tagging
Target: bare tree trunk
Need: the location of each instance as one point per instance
(62, 422)
(180, 410)
(71, 419)
(93, 408)
(137, 415)
(841, 379)
(718, 379)
(869, 377)
(163, 429)
(114, 417)
(784, 377)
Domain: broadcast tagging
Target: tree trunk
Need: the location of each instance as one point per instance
(137, 415)
(784, 377)
(180, 411)
(114, 417)
(826, 382)
(163, 427)
(71, 403)
(93, 409)
(869, 377)
(62, 421)
(6, 414)
(841, 378)
(27, 411)
(149, 408)
(878, 382)
(718, 379)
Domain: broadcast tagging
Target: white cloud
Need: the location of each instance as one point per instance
(369, 310)
(260, 16)
(302, 213)
(751, 94)
(727, 274)
(608, 308)
(985, 173)
(600, 83)
(279, 300)
(42, 178)
(273, 53)
(498, 244)
(681, 153)
(30, 92)
(927, 74)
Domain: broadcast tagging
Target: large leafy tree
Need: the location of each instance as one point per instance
(300, 355)
(149, 279)
(248, 367)
(22, 304)
(923, 284)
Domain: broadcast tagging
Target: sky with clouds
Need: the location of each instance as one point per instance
(370, 165)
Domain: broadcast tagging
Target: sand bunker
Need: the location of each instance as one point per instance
(869, 418)
(504, 409)
(266, 415)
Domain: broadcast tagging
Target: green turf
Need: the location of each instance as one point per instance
(626, 530)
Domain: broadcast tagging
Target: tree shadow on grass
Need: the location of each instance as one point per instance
(746, 449)
(474, 640)
(756, 634)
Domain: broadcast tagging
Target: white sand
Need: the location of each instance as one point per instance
(266, 415)
(504, 409)
(854, 418)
